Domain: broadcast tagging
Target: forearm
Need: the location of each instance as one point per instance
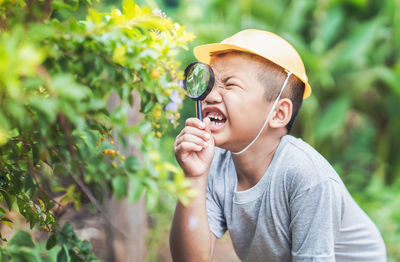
(190, 237)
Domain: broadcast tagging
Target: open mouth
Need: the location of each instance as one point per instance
(216, 117)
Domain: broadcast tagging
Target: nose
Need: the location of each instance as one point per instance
(214, 97)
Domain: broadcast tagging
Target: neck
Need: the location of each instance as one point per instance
(252, 164)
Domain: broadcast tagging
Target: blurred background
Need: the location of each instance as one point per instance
(351, 53)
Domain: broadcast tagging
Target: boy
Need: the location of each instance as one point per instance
(278, 197)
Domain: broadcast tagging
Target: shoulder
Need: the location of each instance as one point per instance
(304, 167)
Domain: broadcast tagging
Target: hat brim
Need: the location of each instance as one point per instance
(203, 54)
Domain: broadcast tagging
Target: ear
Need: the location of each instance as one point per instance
(282, 113)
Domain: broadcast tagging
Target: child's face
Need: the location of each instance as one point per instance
(238, 98)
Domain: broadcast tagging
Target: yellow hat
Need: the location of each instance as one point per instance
(261, 43)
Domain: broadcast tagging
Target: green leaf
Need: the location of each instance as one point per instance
(7, 222)
(145, 127)
(9, 199)
(3, 121)
(16, 110)
(45, 105)
(333, 118)
(151, 199)
(136, 189)
(28, 184)
(42, 206)
(32, 217)
(67, 228)
(120, 186)
(357, 45)
(22, 238)
(391, 78)
(62, 256)
(74, 257)
(86, 246)
(328, 29)
(65, 86)
(146, 107)
(51, 242)
(71, 190)
(132, 164)
(56, 189)
(130, 9)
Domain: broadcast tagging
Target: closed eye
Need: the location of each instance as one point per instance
(231, 82)
(231, 85)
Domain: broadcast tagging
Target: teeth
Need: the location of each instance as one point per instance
(215, 115)
(216, 123)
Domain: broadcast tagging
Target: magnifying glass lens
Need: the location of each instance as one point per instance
(199, 80)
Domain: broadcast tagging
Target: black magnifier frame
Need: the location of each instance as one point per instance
(209, 86)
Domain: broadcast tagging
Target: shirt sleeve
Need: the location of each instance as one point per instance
(315, 220)
(216, 218)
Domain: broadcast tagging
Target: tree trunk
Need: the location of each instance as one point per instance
(128, 221)
(120, 235)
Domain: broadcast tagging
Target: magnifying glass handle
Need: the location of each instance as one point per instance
(199, 110)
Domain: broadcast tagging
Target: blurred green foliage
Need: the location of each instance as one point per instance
(351, 52)
(350, 49)
(59, 63)
(22, 248)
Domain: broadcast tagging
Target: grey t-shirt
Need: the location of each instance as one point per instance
(300, 210)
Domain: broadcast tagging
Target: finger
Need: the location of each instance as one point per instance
(207, 125)
(195, 131)
(208, 130)
(195, 122)
(193, 139)
(187, 147)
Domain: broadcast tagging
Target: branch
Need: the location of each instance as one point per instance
(46, 11)
(80, 180)
(33, 173)
(62, 119)
(30, 7)
(90, 196)
(70, 144)
(43, 191)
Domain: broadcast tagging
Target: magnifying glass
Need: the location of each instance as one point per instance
(199, 80)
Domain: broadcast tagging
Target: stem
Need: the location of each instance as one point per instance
(90, 196)
(33, 172)
(67, 132)
(80, 179)
(30, 6)
(70, 144)
(37, 184)
(46, 11)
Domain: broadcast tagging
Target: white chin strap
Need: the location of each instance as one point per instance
(269, 116)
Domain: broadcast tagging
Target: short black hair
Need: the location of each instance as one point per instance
(272, 77)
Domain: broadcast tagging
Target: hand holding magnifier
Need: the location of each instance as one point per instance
(199, 80)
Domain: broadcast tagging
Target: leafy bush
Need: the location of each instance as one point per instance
(57, 133)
